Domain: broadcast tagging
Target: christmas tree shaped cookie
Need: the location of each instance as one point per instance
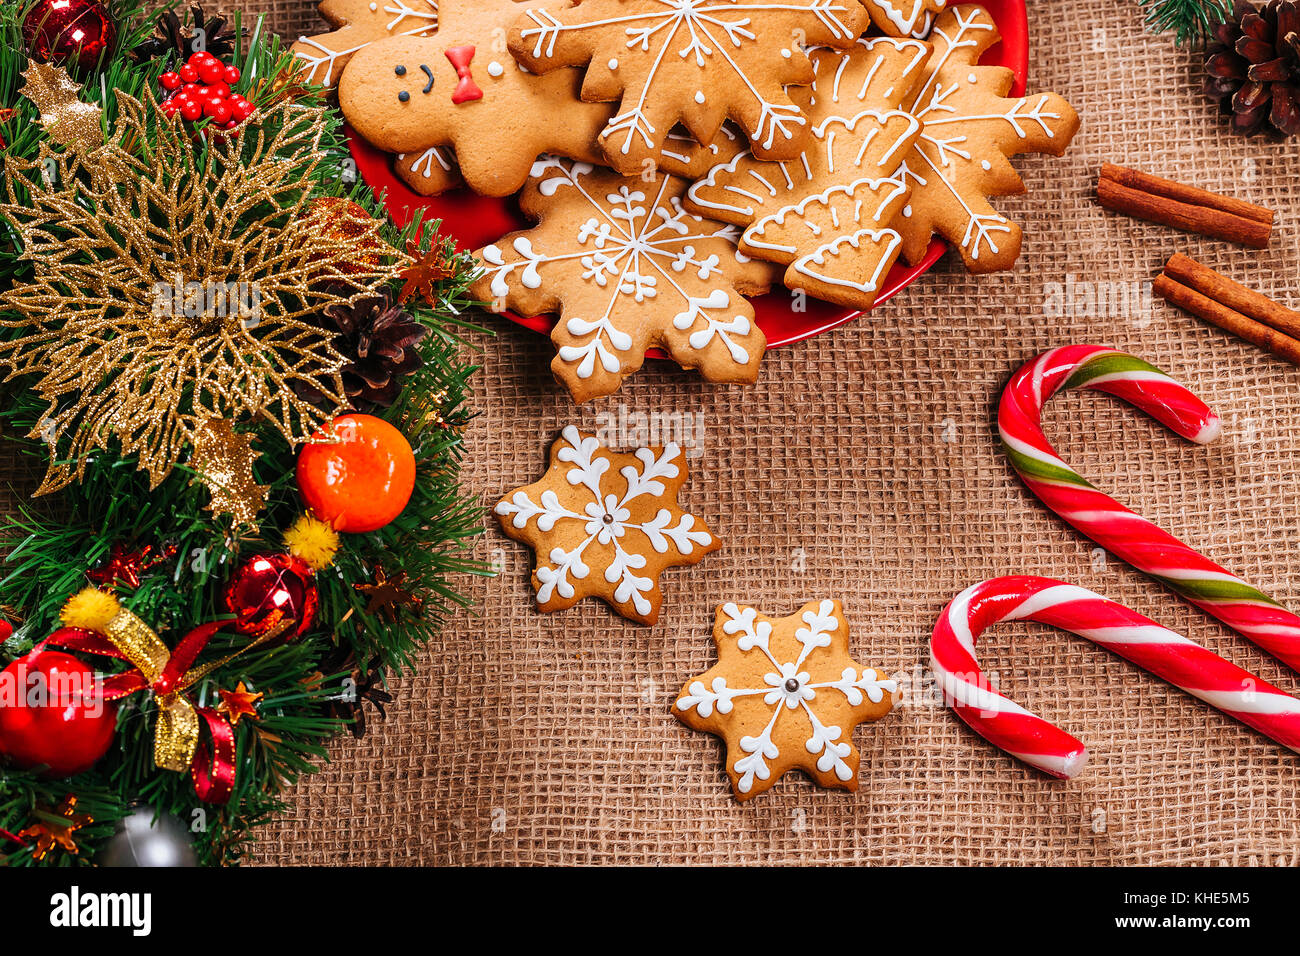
(690, 61)
(359, 23)
(785, 694)
(826, 215)
(461, 88)
(605, 525)
(970, 130)
(627, 267)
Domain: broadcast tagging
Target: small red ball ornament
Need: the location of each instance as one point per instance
(52, 714)
(362, 481)
(269, 588)
(75, 33)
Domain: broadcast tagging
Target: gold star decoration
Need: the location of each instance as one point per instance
(238, 703)
(224, 461)
(47, 833)
(69, 121)
(426, 270)
(386, 594)
(136, 335)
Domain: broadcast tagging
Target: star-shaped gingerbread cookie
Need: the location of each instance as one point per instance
(827, 214)
(627, 267)
(785, 694)
(461, 88)
(970, 130)
(605, 525)
(690, 61)
(359, 23)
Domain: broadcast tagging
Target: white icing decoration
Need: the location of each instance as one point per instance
(605, 521)
(424, 162)
(613, 63)
(495, 69)
(699, 96)
(826, 742)
(985, 165)
(322, 60)
(705, 28)
(914, 23)
(634, 248)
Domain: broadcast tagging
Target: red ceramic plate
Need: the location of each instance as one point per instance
(476, 221)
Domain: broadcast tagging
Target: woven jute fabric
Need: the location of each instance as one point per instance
(864, 466)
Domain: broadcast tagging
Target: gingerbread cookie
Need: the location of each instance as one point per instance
(428, 173)
(627, 268)
(359, 23)
(904, 18)
(970, 130)
(460, 88)
(827, 214)
(690, 61)
(784, 694)
(605, 525)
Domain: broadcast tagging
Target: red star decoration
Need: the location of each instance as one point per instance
(126, 566)
(427, 271)
(238, 703)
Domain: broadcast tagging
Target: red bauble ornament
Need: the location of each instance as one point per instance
(75, 33)
(51, 713)
(361, 482)
(268, 584)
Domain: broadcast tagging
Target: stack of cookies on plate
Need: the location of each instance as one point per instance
(680, 155)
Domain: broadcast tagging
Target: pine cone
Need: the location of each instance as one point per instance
(1254, 68)
(174, 40)
(378, 337)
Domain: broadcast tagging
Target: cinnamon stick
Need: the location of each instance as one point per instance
(1202, 220)
(1159, 186)
(1236, 296)
(1228, 319)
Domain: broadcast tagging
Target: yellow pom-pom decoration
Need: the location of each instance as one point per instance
(312, 541)
(89, 609)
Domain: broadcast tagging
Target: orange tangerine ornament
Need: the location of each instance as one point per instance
(363, 480)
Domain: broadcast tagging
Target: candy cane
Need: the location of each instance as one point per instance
(1245, 609)
(1170, 656)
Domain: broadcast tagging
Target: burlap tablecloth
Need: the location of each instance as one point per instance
(864, 466)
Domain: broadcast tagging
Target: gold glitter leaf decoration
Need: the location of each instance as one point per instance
(174, 284)
(225, 460)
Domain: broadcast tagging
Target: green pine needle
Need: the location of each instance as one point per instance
(1192, 20)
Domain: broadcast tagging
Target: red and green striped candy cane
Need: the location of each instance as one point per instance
(1170, 656)
(1243, 607)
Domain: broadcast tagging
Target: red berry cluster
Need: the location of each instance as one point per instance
(202, 88)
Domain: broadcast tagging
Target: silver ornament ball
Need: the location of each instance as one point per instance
(142, 840)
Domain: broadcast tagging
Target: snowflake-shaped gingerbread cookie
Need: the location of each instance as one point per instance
(627, 267)
(690, 61)
(359, 23)
(785, 694)
(827, 214)
(970, 130)
(605, 525)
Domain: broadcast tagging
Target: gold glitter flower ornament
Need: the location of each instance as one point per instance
(173, 280)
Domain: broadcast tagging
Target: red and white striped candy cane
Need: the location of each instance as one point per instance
(1247, 610)
(1170, 656)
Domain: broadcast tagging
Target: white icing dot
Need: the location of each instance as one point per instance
(986, 165)
(973, 78)
(613, 63)
(374, 7)
(699, 96)
(907, 211)
(495, 69)
(787, 53)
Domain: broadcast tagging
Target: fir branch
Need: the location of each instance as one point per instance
(1192, 20)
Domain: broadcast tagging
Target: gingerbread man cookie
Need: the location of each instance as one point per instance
(627, 268)
(359, 23)
(690, 61)
(785, 694)
(970, 130)
(827, 215)
(605, 525)
(461, 88)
